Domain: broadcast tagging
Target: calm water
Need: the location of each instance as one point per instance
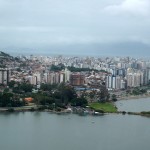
(45, 131)
(134, 105)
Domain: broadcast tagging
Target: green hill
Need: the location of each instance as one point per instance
(4, 55)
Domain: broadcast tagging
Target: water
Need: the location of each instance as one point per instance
(45, 131)
(134, 105)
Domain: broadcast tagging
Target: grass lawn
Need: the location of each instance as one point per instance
(106, 107)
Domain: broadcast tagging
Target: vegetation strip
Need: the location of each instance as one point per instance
(106, 107)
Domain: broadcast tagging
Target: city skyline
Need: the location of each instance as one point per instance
(76, 27)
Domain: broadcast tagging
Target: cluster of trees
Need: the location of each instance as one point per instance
(138, 91)
(56, 95)
(102, 95)
(57, 68)
(114, 98)
(72, 69)
(48, 87)
(10, 100)
(61, 95)
(20, 87)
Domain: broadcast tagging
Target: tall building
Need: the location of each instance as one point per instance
(37, 78)
(123, 84)
(118, 82)
(129, 80)
(109, 81)
(77, 79)
(134, 79)
(51, 78)
(61, 77)
(4, 76)
(145, 76)
(114, 82)
(67, 75)
(57, 79)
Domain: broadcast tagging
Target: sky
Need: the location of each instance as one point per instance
(83, 27)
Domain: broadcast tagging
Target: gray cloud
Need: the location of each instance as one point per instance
(130, 7)
(62, 24)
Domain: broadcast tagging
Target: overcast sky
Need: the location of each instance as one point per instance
(118, 27)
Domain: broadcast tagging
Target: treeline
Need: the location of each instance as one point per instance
(73, 69)
(57, 68)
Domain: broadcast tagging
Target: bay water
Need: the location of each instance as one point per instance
(46, 131)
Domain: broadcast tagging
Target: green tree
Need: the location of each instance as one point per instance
(79, 102)
(103, 94)
(114, 98)
(11, 84)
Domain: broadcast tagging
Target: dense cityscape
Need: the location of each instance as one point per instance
(117, 72)
(71, 81)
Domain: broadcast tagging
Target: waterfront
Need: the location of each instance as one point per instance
(43, 130)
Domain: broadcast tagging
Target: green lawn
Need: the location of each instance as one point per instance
(106, 107)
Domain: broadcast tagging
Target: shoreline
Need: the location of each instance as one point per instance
(80, 111)
(90, 113)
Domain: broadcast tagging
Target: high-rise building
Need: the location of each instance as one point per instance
(118, 82)
(109, 81)
(129, 80)
(67, 75)
(4, 76)
(77, 79)
(134, 79)
(114, 82)
(123, 84)
(145, 76)
(61, 77)
(57, 77)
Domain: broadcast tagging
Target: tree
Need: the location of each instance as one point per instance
(92, 94)
(67, 93)
(23, 87)
(114, 98)
(10, 100)
(26, 87)
(11, 84)
(103, 93)
(46, 87)
(79, 102)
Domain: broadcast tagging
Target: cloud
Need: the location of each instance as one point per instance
(36, 23)
(130, 7)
